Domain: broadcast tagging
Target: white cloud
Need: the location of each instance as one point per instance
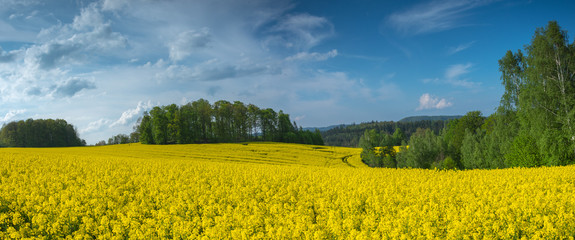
(459, 48)
(89, 18)
(87, 37)
(427, 101)
(95, 125)
(11, 114)
(256, 52)
(210, 70)
(455, 71)
(71, 87)
(114, 5)
(302, 31)
(130, 115)
(313, 56)
(188, 41)
(454, 74)
(299, 118)
(7, 56)
(434, 16)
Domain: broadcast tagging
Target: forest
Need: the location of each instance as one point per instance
(40, 133)
(221, 122)
(349, 135)
(533, 126)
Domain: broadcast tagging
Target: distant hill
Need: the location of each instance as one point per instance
(324, 129)
(429, 118)
(348, 135)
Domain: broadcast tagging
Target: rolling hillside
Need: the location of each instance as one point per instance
(269, 191)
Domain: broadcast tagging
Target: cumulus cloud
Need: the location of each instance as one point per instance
(7, 56)
(95, 125)
(427, 101)
(71, 87)
(313, 56)
(235, 50)
(434, 16)
(188, 41)
(130, 115)
(89, 35)
(52, 54)
(89, 18)
(11, 114)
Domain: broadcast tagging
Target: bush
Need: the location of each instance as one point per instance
(424, 149)
(523, 153)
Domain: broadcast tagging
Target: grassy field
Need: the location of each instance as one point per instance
(269, 191)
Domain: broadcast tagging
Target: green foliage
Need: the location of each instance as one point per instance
(348, 135)
(199, 121)
(457, 129)
(389, 161)
(539, 87)
(40, 133)
(429, 118)
(398, 137)
(534, 124)
(446, 164)
(425, 148)
(377, 148)
(119, 139)
(473, 151)
(449, 163)
(523, 153)
(145, 129)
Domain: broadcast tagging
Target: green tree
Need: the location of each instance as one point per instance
(425, 148)
(523, 153)
(538, 98)
(223, 121)
(546, 102)
(204, 118)
(253, 120)
(173, 119)
(145, 129)
(456, 130)
(268, 120)
(398, 137)
(159, 125)
(473, 150)
(285, 126)
(240, 121)
(40, 133)
(189, 126)
(317, 138)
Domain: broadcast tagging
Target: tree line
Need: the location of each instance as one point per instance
(349, 135)
(223, 121)
(40, 133)
(533, 126)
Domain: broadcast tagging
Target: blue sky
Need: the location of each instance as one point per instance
(101, 64)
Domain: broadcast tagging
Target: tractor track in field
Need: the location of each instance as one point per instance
(344, 160)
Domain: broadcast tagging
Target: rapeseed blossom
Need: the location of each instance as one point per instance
(269, 191)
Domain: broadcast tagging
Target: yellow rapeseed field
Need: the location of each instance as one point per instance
(269, 191)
